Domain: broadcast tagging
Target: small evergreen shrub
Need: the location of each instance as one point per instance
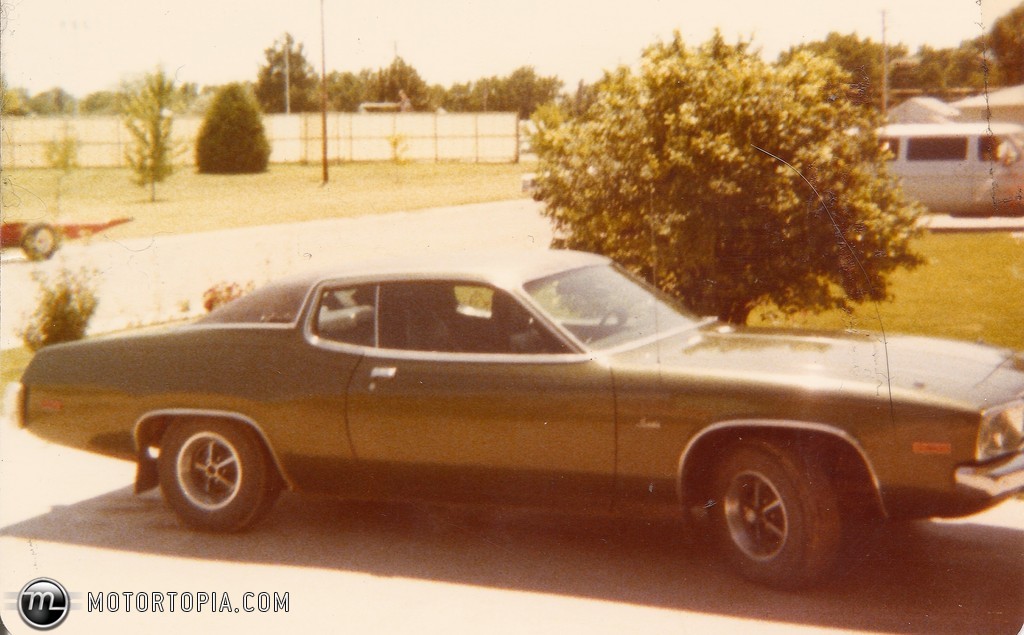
(232, 139)
(66, 304)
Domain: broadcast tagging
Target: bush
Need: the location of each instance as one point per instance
(232, 139)
(399, 146)
(66, 304)
(730, 182)
(224, 292)
(62, 154)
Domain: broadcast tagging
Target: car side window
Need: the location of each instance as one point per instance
(457, 317)
(347, 315)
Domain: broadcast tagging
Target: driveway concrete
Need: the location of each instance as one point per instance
(386, 568)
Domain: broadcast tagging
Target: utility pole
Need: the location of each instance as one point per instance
(287, 75)
(323, 91)
(885, 72)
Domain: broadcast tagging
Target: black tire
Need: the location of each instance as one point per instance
(216, 475)
(776, 518)
(40, 241)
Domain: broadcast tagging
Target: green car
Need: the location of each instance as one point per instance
(542, 379)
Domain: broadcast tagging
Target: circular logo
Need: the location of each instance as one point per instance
(43, 603)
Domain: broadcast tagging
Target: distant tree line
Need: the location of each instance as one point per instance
(287, 82)
(522, 91)
(995, 58)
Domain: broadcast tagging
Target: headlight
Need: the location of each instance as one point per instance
(1002, 430)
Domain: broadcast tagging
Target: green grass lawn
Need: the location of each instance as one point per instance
(971, 287)
(191, 202)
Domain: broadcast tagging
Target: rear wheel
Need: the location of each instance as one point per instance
(777, 517)
(216, 475)
(40, 241)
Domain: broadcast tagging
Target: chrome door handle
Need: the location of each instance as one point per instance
(383, 372)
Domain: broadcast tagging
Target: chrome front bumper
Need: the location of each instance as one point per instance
(995, 479)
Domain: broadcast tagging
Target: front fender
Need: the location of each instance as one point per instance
(710, 442)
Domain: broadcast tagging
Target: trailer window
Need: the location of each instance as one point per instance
(992, 148)
(937, 149)
(892, 146)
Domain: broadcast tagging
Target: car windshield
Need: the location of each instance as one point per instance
(604, 307)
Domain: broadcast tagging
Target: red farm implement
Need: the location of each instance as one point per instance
(39, 241)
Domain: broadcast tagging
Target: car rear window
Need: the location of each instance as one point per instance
(273, 304)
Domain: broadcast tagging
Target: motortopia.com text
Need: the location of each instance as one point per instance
(186, 602)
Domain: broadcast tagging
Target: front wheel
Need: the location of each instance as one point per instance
(777, 517)
(216, 475)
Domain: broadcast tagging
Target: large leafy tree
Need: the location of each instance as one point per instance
(345, 91)
(861, 58)
(1007, 42)
(148, 115)
(938, 70)
(525, 91)
(13, 101)
(580, 101)
(286, 66)
(522, 92)
(55, 101)
(102, 102)
(730, 182)
(232, 139)
(389, 83)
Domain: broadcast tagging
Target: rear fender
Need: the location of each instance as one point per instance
(150, 427)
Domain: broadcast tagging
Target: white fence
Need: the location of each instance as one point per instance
(295, 138)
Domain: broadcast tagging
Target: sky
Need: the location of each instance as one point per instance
(84, 46)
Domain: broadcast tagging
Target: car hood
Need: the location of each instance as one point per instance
(907, 367)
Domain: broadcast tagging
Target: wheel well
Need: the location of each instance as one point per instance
(149, 432)
(848, 471)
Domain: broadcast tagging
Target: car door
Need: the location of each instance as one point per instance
(469, 398)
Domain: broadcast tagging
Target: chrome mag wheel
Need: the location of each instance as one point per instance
(209, 470)
(756, 516)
